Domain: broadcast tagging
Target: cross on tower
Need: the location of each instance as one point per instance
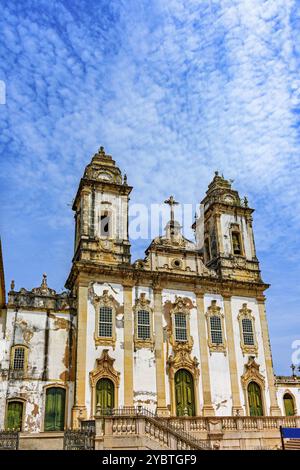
(171, 202)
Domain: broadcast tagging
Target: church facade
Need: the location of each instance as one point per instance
(181, 333)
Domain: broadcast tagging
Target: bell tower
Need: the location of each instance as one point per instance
(101, 213)
(225, 232)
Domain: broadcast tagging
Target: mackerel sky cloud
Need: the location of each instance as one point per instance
(174, 90)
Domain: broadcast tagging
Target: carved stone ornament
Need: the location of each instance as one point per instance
(182, 360)
(105, 369)
(252, 374)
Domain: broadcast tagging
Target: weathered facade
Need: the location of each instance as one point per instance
(182, 332)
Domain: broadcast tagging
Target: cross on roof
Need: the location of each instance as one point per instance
(171, 202)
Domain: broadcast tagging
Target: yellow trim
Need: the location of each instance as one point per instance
(128, 347)
(208, 409)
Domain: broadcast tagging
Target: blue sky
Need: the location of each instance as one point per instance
(174, 90)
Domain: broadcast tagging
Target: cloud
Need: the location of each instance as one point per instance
(174, 90)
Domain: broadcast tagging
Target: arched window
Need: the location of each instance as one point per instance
(255, 399)
(288, 402)
(55, 409)
(236, 243)
(14, 416)
(105, 395)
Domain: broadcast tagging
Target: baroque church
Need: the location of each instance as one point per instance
(180, 336)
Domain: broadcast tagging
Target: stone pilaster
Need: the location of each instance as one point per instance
(128, 347)
(237, 409)
(85, 211)
(79, 410)
(159, 355)
(219, 233)
(208, 409)
(274, 408)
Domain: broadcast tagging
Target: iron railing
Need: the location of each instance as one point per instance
(79, 440)
(9, 440)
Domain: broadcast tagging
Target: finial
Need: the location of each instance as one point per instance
(125, 179)
(245, 201)
(171, 202)
(101, 150)
(216, 173)
(44, 281)
(12, 285)
(293, 367)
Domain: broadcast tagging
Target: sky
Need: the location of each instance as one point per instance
(173, 90)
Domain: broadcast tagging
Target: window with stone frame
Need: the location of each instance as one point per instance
(105, 319)
(248, 334)
(143, 323)
(105, 322)
(215, 327)
(180, 327)
(247, 330)
(19, 358)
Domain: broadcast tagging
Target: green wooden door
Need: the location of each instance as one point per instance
(288, 405)
(255, 400)
(184, 393)
(105, 394)
(55, 409)
(14, 416)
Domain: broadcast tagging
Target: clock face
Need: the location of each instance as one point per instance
(229, 199)
(104, 176)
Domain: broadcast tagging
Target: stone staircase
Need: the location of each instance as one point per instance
(138, 422)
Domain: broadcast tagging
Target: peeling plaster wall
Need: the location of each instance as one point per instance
(94, 352)
(169, 295)
(219, 369)
(144, 376)
(236, 305)
(28, 329)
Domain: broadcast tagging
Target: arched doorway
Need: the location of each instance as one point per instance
(184, 393)
(55, 409)
(255, 399)
(288, 402)
(105, 394)
(14, 417)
